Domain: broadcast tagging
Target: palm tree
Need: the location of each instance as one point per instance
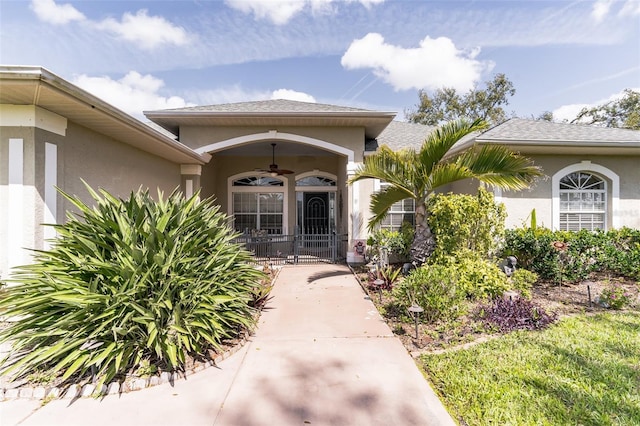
(417, 174)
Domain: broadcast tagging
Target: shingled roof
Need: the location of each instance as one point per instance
(279, 106)
(400, 135)
(518, 129)
(278, 112)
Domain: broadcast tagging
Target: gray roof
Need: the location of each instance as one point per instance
(400, 135)
(522, 130)
(282, 106)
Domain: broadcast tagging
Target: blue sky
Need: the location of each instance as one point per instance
(373, 54)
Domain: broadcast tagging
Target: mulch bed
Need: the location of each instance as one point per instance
(564, 300)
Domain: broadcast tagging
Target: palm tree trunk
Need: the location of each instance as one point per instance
(424, 242)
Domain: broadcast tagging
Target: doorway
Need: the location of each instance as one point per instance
(316, 212)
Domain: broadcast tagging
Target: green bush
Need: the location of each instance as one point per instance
(435, 289)
(522, 280)
(616, 252)
(396, 242)
(466, 223)
(129, 283)
(477, 278)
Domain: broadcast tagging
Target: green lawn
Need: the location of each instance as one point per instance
(583, 370)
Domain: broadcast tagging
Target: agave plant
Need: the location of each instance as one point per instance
(126, 281)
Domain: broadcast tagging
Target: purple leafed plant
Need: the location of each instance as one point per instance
(519, 314)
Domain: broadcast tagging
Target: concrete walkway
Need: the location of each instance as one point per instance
(322, 355)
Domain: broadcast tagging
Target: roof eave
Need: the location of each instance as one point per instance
(44, 76)
(170, 120)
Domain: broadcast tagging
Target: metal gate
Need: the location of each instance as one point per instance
(306, 248)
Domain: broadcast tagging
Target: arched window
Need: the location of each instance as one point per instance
(258, 204)
(316, 181)
(583, 202)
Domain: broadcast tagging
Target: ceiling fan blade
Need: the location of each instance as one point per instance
(273, 167)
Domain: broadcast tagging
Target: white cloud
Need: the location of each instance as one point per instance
(367, 3)
(133, 93)
(630, 9)
(237, 93)
(435, 64)
(147, 31)
(569, 112)
(601, 9)
(281, 11)
(292, 95)
(57, 14)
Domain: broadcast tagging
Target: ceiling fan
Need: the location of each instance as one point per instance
(273, 167)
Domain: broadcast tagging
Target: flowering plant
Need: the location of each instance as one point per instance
(615, 296)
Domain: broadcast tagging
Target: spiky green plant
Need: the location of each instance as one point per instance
(128, 280)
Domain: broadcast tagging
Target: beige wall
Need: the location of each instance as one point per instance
(519, 204)
(101, 161)
(106, 163)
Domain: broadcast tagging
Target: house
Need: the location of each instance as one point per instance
(277, 167)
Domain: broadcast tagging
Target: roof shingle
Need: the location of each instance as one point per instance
(270, 106)
(518, 129)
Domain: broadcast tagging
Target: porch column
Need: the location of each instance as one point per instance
(190, 179)
(355, 215)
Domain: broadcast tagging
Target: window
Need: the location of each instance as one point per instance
(258, 205)
(400, 212)
(255, 211)
(316, 181)
(583, 202)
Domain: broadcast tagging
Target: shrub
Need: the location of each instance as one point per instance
(477, 278)
(519, 314)
(522, 281)
(466, 223)
(129, 283)
(435, 289)
(615, 296)
(396, 242)
(616, 252)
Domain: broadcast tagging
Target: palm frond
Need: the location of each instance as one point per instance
(386, 165)
(446, 173)
(441, 140)
(499, 166)
(382, 201)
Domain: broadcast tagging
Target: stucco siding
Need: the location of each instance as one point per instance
(106, 163)
(81, 154)
(627, 168)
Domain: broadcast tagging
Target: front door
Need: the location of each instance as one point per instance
(315, 218)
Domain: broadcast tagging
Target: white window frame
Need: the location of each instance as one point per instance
(377, 186)
(613, 191)
(259, 189)
(578, 207)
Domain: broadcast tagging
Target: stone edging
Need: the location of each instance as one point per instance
(76, 391)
